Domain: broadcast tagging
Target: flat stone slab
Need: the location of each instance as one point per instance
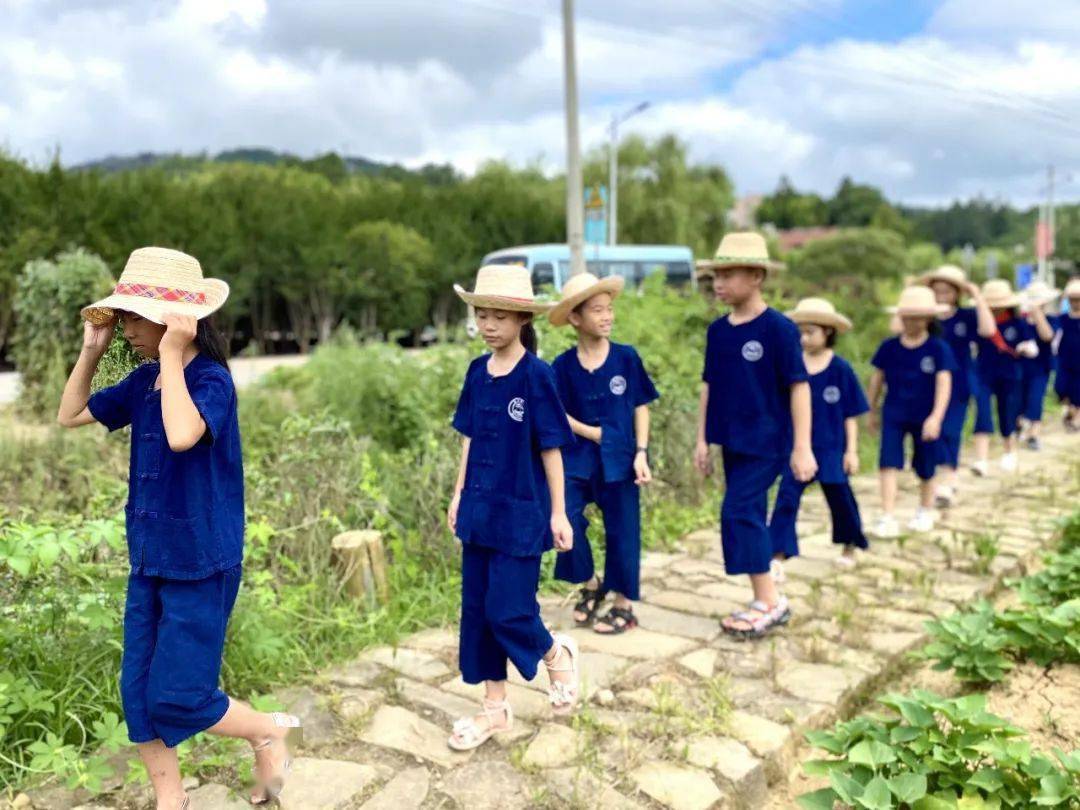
(762, 736)
(217, 797)
(701, 662)
(324, 784)
(675, 623)
(422, 666)
(435, 639)
(598, 671)
(554, 746)
(528, 703)
(487, 786)
(401, 730)
(357, 704)
(679, 787)
(638, 643)
(452, 705)
(821, 683)
(357, 674)
(406, 791)
(736, 766)
(693, 603)
(580, 788)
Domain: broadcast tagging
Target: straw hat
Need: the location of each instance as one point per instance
(1039, 293)
(821, 312)
(741, 249)
(1072, 289)
(917, 300)
(998, 294)
(502, 286)
(949, 273)
(157, 282)
(579, 289)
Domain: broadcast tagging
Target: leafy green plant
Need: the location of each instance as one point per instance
(934, 753)
(969, 643)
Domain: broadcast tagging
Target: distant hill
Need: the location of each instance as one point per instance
(331, 164)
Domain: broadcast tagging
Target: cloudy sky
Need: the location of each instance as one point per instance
(930, 99)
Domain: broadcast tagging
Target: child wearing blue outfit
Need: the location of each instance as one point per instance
(1067, 347)
(915, 369)
(607, 392)
(185, 515)
(755, 404)
(999, 372)
(960, 328)
(836, 402)
(1038, 301)
(508, 506)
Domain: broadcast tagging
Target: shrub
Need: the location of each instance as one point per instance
(48, 329)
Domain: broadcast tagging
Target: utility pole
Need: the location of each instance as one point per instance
(613, 169)
(1051, 236)
(575, 192)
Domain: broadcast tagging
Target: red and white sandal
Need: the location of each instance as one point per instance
(564, 694)
(469, 735)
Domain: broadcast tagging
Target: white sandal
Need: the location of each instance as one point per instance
(564, 696)
(468, 735)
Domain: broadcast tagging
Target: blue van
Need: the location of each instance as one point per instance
(550, 264)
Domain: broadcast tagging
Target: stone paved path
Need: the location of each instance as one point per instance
(677, 716)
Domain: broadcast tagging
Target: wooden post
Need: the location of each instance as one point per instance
(362, 560)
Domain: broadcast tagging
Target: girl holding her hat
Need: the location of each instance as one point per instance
(1038, 300)
(755, 403)
(1067, 379)
(607, 392)
(915, 368)
(960, 327)
(836, 402)
(185, 515)
(999, 373)
(508, 506)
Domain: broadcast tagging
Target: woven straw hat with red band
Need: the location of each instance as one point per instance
(157, 282)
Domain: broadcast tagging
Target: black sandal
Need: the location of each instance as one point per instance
(619, 620)
(589, 603)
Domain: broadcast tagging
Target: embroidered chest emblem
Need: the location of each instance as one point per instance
(516, 409)
(1010, 333)
(831, 394)
(752, 351)
(927, 365)
(960, 330)
(618, 385)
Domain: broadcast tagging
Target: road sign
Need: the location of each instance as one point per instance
(596, 208)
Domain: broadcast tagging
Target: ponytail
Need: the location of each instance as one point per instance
(210, 342)
(528, 336)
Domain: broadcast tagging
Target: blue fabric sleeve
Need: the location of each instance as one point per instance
(792, 367)
(112, 406)
(879, 360)
(463, 414)
(213, 393)
(710, 350)
(854, 398)
(946, 358)
(644, 390)
(549, 423)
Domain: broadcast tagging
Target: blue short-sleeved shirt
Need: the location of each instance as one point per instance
(605, 397)
(835, 395)
(960, 330)
(911, 376)
(185, 511)
(1067, 342)
(995, 365)
(750, 369)
(509, 419)
(1044, 363)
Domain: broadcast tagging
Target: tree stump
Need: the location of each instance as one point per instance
(360, 556)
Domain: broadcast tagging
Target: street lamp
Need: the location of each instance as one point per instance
(613, 168)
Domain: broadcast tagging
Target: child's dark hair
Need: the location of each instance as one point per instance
(933, 326)
(210, 342)
(528, 335)
(830, 337)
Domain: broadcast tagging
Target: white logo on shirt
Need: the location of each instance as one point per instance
(831, 394)
(752, 351)
(1010, 333)
(927, 364)
(516, 409)
(618, 385)
(960, 329)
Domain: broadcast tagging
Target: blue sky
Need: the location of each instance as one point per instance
(930, 100)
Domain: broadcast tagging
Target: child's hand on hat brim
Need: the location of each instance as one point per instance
(179, 333)
(96, 339)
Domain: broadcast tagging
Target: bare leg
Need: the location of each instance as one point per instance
(982, 446)
(949, 477)
(164, 770)
(622, 603)
(1034, 429)
(245, 723)
(926, 494)
(558, 676)
(887, 477)
(1009, 443)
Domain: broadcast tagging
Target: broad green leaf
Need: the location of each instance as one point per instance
(824, 799)
(871, 753)
(876, 795)
(908, 787)
(989, 779)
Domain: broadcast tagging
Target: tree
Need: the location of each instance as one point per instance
(384, 271)
(852, 261)
(788, 208)
(854, 205)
